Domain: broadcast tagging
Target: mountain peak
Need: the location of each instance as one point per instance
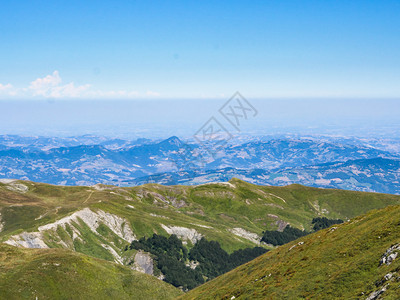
(173, 140)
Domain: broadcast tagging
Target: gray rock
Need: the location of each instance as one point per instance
(376, 295)
(391, 258)
(143, 263)
(388, 276)
(390, 255)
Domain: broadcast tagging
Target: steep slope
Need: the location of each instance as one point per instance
(355, 260)
(62, 274)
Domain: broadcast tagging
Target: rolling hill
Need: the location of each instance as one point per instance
(354, 260)
(63, 274)
(101, 221)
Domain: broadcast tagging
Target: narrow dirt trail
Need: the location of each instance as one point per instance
(90, 195)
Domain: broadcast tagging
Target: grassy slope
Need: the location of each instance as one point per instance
(221, 207)
(218, 206)
(331, 264)
(63, 274)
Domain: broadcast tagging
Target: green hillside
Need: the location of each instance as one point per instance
(63, 274)
(341, 262)
(102, 220)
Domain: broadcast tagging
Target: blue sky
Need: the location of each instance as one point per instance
(199, 49)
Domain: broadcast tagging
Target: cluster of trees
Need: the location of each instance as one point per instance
(214, 261)
(322, 223)
(278, 238)
(158, 245)
(171, 257)
(289, 234)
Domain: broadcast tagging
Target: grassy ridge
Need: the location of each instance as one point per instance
(212, 209)
(341, 262)
(63, 274)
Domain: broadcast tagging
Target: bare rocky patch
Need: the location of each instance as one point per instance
(17, 187)
(186, 234)
(93, 220)
(252, 237)
(143, 263)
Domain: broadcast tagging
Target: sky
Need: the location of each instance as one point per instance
(199, 49)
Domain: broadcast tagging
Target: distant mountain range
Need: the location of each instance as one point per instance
(373, 175)
(89, 160)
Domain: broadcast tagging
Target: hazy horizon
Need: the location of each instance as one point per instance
(163, 118)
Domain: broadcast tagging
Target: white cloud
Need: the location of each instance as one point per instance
(5, 87)
(152, 94)
(52, 86)
(69, 90)
(42, 84)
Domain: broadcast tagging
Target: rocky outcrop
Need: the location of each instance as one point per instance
(92, 219)
(377, 294)
(28, 240)
(252, 237)
(281, 225)
(143, 263)
(386, 259)
(177, 203)
(186, 234)
(17, 187)
(390, 255)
